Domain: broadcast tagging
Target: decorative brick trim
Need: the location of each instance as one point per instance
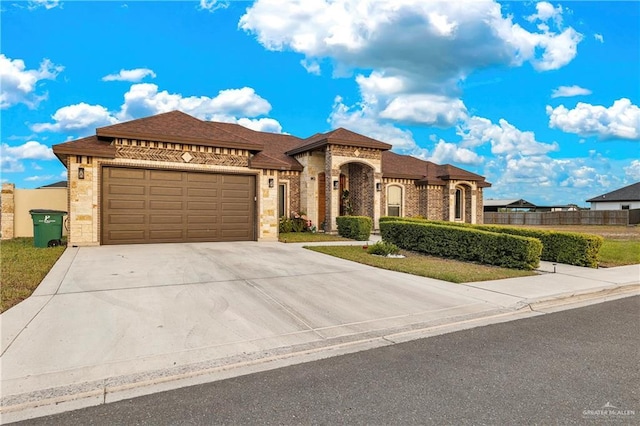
(176, 156)
(355, 152)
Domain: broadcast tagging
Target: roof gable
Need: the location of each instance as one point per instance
(176, 126)
(627, 193)
(339, 136)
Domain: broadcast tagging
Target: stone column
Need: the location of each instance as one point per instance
(8, 211)
(474, 206)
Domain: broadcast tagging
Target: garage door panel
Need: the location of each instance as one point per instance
(128, 174)
(165, 205)
(153, 206)
(116, 204)
(165, 235)
(126, 236)
(166, 191)
(165, 219)
(160, 175)
(127, 190)
(202, 192)
(206, 219)
(136, 219)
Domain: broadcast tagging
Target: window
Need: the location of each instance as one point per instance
(282, 200)
(625, 206)
(394, 201)
(459, 204)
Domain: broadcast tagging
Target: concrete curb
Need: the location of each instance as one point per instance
(601, 294)
(81, 395)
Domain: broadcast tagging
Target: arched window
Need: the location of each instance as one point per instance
(394, 201)
(459, 204)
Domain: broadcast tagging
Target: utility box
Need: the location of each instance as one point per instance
(47, 227)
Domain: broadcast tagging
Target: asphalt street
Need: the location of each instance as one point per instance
(571, 367)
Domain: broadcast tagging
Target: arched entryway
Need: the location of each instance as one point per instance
(357, 189)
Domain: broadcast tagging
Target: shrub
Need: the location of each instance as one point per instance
(286, 225)
(511, 251)
(355, 227)
(563, 247)
(383, 248)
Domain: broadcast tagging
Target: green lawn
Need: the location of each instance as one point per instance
(22, 269)
(308, 237)
(425, 266)
(619, 253)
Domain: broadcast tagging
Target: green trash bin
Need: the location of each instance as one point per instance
(47, 227)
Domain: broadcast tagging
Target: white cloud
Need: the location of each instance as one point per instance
(599, 37)
(47, 4)
(144, 99)
(213, 5)
(240, 106)
(569, 91)
(312, 67)
(621, 120)
(358, 120)
(545, 12)
(433, 110)
(19, 84)
(445, 152)
(632, 171)
(505, 139)
(432, 43)
(134, 75)
(11, 156)
(82, 117)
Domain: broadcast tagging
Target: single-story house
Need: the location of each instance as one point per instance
(510, 205)
(174, 178)
(625, 198)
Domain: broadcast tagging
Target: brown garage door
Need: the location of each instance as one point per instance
(163, 206)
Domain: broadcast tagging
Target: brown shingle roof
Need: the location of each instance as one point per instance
(91, 146)
(274, 146)
(339, 136)
(176, 126)
(425, 172)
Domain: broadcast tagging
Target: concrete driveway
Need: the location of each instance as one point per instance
(120, 319)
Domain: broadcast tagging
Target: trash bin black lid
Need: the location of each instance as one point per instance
(46, 211)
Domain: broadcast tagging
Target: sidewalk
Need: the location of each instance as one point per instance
(115, 322)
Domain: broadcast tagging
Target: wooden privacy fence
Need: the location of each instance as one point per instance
(581, 217)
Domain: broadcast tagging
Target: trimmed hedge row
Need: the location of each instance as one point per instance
(510, 251)
(355, 227)
(563, 247)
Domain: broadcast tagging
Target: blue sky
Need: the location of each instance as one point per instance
(541, 98)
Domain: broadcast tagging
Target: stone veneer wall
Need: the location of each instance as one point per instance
(479, 206)
(313, 164)
(7, 209)
(267, 207)
(84, 198)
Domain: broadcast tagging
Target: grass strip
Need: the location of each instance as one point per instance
(22, 268)
(425, 266)
(308, 237)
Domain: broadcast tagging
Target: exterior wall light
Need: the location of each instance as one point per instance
(336, 184)
(378, 186)
(271, 182)
(80, 172)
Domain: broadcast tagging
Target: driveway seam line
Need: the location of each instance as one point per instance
(286, 309)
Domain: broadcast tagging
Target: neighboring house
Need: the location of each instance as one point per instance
(510, 205)
(174, 178)
(626, 198)
(59, 184)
